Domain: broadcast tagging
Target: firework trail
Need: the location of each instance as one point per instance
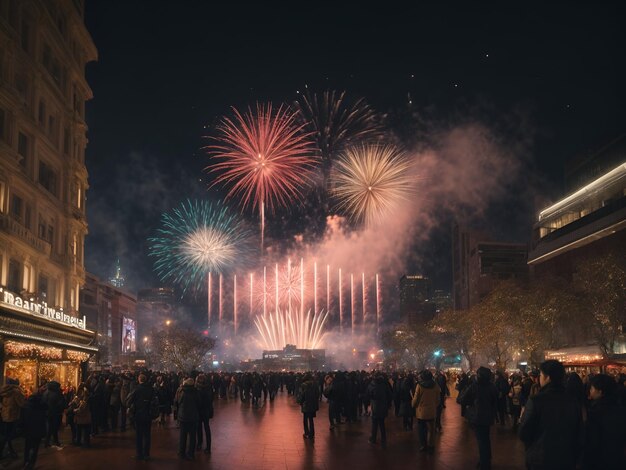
(278, 329)
(369, 180)
(195, 239)
(265, 157)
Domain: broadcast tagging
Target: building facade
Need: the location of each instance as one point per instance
(416, 305)
(478, 264)
(155, 306)
(44, 47)
(112, 313)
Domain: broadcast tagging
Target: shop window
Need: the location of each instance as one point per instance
(15, 276)
(25, 371)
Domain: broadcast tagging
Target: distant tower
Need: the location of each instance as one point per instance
(117, 280)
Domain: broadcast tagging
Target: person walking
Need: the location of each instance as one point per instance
(12, 399)
(425, 401)
(33, 428)
(442, 382)
(309, 400)
(141, 401)
(481, 401)
(551, 426)
(188, 404)
(381, 396)
(406, 395)
(205, 394)
(605, 433)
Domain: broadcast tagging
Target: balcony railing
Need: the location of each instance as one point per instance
(13, 227)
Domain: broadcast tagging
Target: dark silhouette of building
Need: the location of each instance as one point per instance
(478, 264)
(416, 305)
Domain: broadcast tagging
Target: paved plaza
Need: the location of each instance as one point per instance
(270, 438)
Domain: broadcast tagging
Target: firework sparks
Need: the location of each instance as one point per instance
(369, 180)
(265, 157)
(195, 239)
(278, 329)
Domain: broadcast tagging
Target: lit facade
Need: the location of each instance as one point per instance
(416, 305)
(44, 47)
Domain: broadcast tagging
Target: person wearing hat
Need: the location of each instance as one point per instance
(426, 399)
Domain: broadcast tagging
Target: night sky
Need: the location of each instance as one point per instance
(556, 75)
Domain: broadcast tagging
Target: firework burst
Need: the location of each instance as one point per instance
(370, 180)
(278, 329)
(265, 157)
(195, 239)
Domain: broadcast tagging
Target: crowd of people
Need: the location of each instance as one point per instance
(564, 420)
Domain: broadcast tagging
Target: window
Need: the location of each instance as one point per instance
(22, 148)
(25, 37)
(43, 287)
(46, 229)
(47, 178)
(17, 207)
(42, 113)
(46, 57)
(53, 131)
(66, 141)
(21, 84)
(61, 24)
(28, 215)
(15, 274)
(2, 124)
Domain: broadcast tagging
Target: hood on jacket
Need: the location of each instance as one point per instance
(483, 375)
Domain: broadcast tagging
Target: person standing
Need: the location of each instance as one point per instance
(381, 397)
(605, 433)
(34, 428)
(188, 404)
(12, 399)
(503, 387)
(334, 407)
(481, 399)
(82, 416)
(551, 426)
(425, 401)
(309, 400)
(205, 394)
(442, 382)
(54, 401)
(140, 401)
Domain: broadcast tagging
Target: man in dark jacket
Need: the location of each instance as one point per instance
(54, 401)
(141, 400)
(503, 388)
(605, 432)
(34, 428)
(551, 426)
(205, 394)
(481, 400)
(309, 400)
(188, 404)
(381, 396)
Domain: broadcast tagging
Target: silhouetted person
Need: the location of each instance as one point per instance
(309, 400)
(481, 400)
(188, 402)
(33, 428)
(551, 426)
(205, 395)
(381, 396)
(141, 401)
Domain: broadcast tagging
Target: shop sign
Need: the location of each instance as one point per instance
(40, 308)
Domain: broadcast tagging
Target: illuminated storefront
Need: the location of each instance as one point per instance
(39, 344)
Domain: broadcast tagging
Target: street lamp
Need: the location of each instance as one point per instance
(168, 322)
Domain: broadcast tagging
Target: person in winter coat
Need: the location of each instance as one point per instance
(165, 399)
(12, 401)
(124, 392)
(516, 400)
(381, 397)
(332, 393)
(82, 416)
(188, 404)
(53, 398)
(481, 399)
(462, 383)
(141, 401)
(309, 400)
(406, 395)
(34, 428)
(551, 426)
(605, 433)
(442, 382)
(205, 393)
(426, 399)
(503, 388)
(115, 401)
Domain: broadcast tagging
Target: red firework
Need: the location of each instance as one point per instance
(265, 157)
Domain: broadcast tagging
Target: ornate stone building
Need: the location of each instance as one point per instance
(44, 47)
